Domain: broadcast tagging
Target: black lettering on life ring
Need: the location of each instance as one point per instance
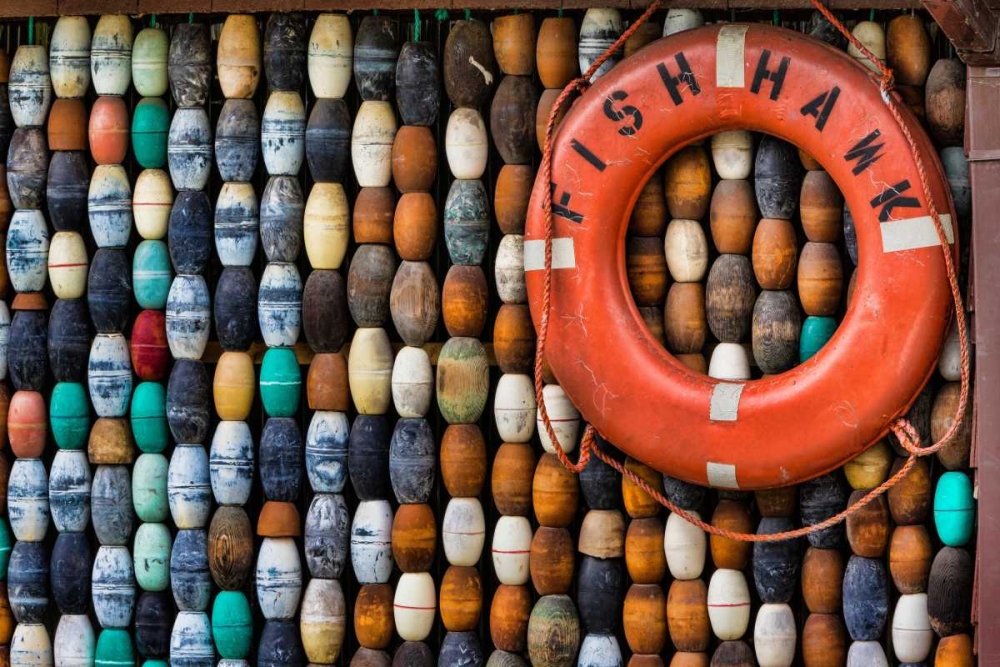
(821, 106)
(588, 155)
(673, 83)
(776, 77)
(627, 111)
(892, 198)
(561, 207)
(866, 152)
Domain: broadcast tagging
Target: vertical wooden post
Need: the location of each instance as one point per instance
(983, 142)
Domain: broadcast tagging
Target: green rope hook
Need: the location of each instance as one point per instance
(31, 30)
(152, 20)
(190, 17)
(468, 14)
(416, 25)
(441, 15)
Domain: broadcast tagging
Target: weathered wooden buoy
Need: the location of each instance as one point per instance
(373, 214)
(230, 547)
(469, 66)
(237, 137)
(730, 295)
(684, 324)
(111, 54)
(728, 601)
(949, 591)
(151, 556)
(109, 290)
(726, 553)
(510, 550)
(461, 599)
(285, 51)
(282, 210)
(553, 632)
(514, 339)
(910, 558)
(375, 54)
(67, 125)
(866, 598)
(870, 468)
(325, 311)
(945, 95)
(30, 86)
(235, 308)
(412, 461)
(69, 491)
(109, 375)
(775, 564)
(281, 459)
(27, 581)
(279, 519)
(868, 529)
(189, 574)
(188, 487)
(189, 317)
(509, 614)
(955, 650)
(67, 182)
(687, 181)
(510, 199)
(600, 28)
(327, 140)
(189, 148)
(556, 51)
(326, 451)
(463, 460)
(820, 279)
(602, 534)
(238, 60)
(645, 558)
(69, 56)
(821, 207)
(109, 205)
(372, 137)
(687, 615)
(152, 202)
(414, 159)
(151, 274)
(231, 463)
(236, 224)
(552, 560)
(956, 454)
(280, 382)
(330, 56)
(111, 442)
(733, 215)
(644, 617)
(371, 550)
(327, 534)
(188, 402)
(418, 84)
(819, 499)
(369, 369)
(27, 168)
(149, 487)
(463, 301)
(282, 133)
(148, 416)
(322, 620)
(109, 130)
(327, 385)
(189, 64)
(822, 579)
(150, 124)
(113, 587)
(462, 380)
(148, 347)
(646, 269)
(514, 43)
(512, 119)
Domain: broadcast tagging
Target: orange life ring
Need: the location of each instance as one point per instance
(807, 421)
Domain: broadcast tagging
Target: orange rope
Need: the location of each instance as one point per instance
(907, 435)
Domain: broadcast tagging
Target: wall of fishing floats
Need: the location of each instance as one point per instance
(267, 361)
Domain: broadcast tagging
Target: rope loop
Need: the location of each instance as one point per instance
(904, 431)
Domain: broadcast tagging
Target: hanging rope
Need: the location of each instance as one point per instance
(441, 15)
(416, 25)
(904, 431)
(31, 30)
(152, 20)
(468, 14)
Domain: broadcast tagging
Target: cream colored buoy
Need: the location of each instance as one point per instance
(600, 28)
(371, 144)
(412, 382)
(728, 604)
(330, 59)
(511, 546)
(463, 531)
(466, 144)
(872, 36)
(68, 265)
(911, 628)
(152, 202)
(514, 408)
(69, 56)
(323, 620)
(729, 362)
(414, 606)
(29, 86)
(950, 361)
(679, 19)
(508, 269)
(371, 546)
(732, 154)
(283, 133)
(327, 225)
(369, 371)
(685, 546)
(238, 61)
(564, 417)
(686, 249)
(111, 54)
(149, 62)
(774, 635)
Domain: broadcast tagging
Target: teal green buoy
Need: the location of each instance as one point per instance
(151, 274)
(6, 546)
(151, 556)
(150, 125)
(156, 663)
(816, 331)
(232, 625)
(114, 649)
(954, 509)
(280, 382)
(149, 487)
(69, 414)
(149, 417)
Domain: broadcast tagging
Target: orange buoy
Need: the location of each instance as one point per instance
(598, 172)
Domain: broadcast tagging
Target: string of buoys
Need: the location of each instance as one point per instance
(716, 263)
